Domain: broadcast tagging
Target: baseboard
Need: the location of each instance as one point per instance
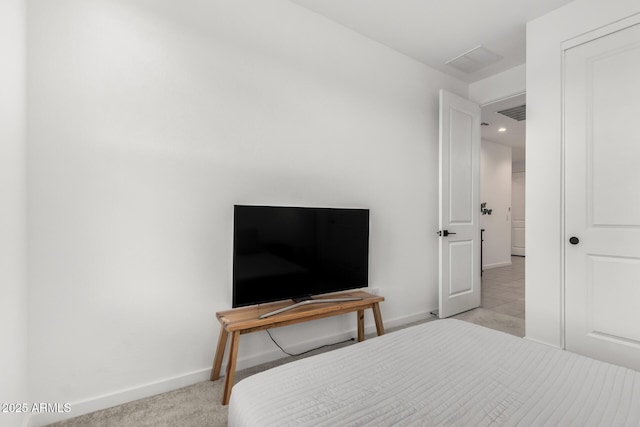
(162, 386)
(403, 320)
(496, 265)
(543, 343)
(11, 419)
(119, 397)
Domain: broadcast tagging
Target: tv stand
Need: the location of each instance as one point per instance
(244, 320)
(299, 302)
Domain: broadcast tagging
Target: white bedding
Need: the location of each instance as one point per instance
(445, 372)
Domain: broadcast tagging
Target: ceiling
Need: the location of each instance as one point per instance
(436, 31)
(514, 135)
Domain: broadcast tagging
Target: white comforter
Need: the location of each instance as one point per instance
(445, 372)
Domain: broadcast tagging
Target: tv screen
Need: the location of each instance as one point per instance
(284, 253)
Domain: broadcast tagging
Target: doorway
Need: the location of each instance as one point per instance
(502, 194)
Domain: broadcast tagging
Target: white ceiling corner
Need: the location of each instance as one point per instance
(436, 31)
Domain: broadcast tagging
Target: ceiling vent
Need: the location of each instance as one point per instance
(515, 113)
(474, 60)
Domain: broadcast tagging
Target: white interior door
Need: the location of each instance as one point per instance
(459, 275)
(602, 196)
(517, 213)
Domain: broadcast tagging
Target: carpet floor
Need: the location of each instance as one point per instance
(199, 405)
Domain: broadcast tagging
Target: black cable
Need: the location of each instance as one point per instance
(308, 351)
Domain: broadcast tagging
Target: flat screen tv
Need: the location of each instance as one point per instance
(282, 253)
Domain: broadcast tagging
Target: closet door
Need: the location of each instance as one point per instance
(602, 195)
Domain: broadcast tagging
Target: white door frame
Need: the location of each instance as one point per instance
(491, 101)
(500, 99)
(520, 222)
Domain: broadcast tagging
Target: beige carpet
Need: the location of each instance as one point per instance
(196, 405)
(199, 405)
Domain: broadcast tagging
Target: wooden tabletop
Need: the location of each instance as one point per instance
(246, 319)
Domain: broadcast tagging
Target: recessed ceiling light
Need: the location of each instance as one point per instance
(502, 130)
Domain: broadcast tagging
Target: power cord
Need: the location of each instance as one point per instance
(308, 351)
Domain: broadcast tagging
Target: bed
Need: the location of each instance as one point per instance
(445, 372)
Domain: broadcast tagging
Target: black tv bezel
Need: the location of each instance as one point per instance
(301, 296)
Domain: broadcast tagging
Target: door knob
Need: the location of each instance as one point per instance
(574, 240)
(444, 233)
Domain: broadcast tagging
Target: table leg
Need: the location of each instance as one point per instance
(217, 362)
(378, 318)
(231, 367)
(360, 315)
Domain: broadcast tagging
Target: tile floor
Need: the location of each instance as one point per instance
(502, 305)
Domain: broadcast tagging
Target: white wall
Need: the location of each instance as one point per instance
(148, 120)
(500, 86)
(13, 282)
(495, 190)
(544, 310)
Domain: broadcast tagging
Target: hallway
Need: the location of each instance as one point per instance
(502, 307)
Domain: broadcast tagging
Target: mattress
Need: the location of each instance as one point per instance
(445, 372)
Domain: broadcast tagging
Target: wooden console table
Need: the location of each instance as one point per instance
(243, 320)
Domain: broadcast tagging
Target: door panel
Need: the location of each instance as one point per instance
(602, 197)
(461, 266)
(460, 167)
(614, 104)
(610, 316)
(459, 272)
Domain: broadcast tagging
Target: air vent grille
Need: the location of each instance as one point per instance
(515, 113)
(476, 59)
